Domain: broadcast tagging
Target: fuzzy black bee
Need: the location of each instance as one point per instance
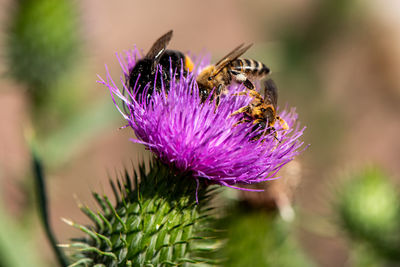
(146, 69)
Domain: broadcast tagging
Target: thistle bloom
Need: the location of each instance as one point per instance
(200, 138)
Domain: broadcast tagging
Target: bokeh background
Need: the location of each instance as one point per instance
(337, 62)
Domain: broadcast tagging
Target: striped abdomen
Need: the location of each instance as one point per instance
(250, 67)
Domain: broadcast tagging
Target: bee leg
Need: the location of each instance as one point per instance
(240, 93)
(241, 121)
(259, 124)
(248, 84)
(219, 89)
(276, 138)
(218, 94)
(275, 133)
(256, 121)
(245, 109)
(242, 79)
(252, 93)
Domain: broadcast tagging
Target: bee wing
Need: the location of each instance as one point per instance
(270, 93)
(231, 56)
(159, 47)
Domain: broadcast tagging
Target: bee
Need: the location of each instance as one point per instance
(230, 68)
(145, 70)
(262, 110)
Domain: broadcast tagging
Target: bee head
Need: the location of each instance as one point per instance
(206, 77)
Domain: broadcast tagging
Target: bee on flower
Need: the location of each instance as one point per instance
(193, 136)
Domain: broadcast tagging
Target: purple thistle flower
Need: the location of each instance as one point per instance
(200, 139)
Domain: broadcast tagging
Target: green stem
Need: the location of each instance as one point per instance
(43, 209)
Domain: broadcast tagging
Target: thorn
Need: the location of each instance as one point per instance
(123, 127)
(69, 222)
(64, 245)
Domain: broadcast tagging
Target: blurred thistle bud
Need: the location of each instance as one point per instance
(278, 194)
(257, 238)
(42, 41)
(369, 210)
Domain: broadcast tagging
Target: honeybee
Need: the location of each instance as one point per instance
(144, 71)
(230, 68)
(262, 110)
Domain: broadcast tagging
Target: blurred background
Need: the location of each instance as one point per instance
(336, 61)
